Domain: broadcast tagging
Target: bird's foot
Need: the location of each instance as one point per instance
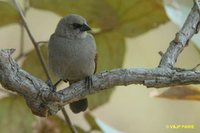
(88, 83)
(50, 84)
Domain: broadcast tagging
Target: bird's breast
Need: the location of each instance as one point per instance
(75, 59)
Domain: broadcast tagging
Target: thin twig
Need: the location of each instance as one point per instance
(39, 55)
(21, 51)
(19, 57)
(21, 40)
(195, 67)
(42, 42)
(67, 119)
(33, 40)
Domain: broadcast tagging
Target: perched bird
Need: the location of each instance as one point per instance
(72, 54)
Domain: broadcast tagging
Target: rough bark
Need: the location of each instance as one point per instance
(43, 102)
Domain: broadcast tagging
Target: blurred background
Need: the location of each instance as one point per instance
(128, 34)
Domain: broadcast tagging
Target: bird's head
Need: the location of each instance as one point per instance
(72, 26)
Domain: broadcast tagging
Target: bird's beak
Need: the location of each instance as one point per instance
(85, 27)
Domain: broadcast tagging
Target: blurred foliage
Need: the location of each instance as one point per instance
(15, 116)
(130, 18)
(55, 124)
(80, 130)
(182, 93)
(52, 124)
(91, 121)
(8, 14)
(32, 64)
(111, 48)
(114, 19)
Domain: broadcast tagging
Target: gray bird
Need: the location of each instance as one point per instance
(72, 54)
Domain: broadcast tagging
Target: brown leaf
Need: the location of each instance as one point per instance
(181, 92)
(52, 124)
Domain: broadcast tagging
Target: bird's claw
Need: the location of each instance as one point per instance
(50, 84)
(88, 83)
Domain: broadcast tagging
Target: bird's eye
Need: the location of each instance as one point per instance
(76, 25)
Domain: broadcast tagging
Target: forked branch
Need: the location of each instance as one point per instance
(44, 102)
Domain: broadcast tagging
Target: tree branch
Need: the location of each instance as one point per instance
(44, 102)
(182, 38)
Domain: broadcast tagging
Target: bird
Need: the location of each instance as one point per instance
(72, 54)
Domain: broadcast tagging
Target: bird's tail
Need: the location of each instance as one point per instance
(79, 106)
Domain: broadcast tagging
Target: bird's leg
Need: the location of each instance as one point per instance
(49, 83)
(88, 82)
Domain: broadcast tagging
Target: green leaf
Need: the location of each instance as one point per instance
(80, 130)
(91, 121)
(8, 14)
(140, 16)
(52, 124)
(131, 18)
(111, 49)
(32, 64)
(15, 116)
